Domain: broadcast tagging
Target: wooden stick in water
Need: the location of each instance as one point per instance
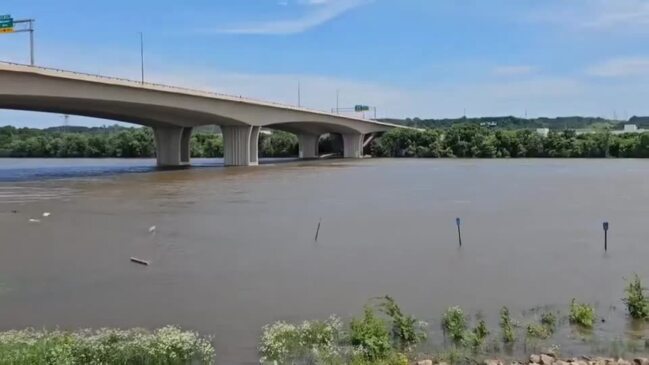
(317, 232)
(140, 261)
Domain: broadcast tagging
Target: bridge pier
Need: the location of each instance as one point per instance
(172, 146)
(308, 145)
(240, 145)
(353, 145)
(254, 146)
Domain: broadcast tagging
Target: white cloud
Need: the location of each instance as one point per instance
(621, 67)
(513, 70)
(325, 11)
(314, 2)
(613, 13)
(599, 15)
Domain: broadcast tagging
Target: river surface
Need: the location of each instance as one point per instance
(233, 248)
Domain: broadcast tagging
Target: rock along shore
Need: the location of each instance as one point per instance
(551, 359)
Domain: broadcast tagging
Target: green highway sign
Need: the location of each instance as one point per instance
(6, 24)
(361, 108)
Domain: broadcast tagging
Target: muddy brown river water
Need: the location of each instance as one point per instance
(234, 248)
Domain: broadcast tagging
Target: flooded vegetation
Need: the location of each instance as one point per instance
(386, 335)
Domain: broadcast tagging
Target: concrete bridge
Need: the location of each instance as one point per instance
(172, 112)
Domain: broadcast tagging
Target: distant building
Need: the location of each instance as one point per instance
(489, 124)
(543, 131)
(630, 128)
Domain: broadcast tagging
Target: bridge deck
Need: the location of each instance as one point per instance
(101, 79)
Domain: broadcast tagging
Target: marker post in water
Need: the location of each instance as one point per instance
(605, 226)
(317, 232)
(458, 222)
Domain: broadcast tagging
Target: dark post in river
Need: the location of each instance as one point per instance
(605, 226)
(459, 232)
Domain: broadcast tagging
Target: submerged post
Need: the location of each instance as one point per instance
(317, 232)
(459, 232)
(605, 226)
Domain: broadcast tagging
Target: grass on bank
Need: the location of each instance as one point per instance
(382, 335)
(168, 346)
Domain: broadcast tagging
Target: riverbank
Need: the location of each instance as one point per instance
(552, 359)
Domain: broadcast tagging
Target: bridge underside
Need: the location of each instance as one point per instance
(172, 129)
(172, 113)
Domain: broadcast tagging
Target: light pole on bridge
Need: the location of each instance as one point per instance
(142, 56)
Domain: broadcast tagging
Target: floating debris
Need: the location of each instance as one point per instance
(152, 229)
(14, 211)
(32, 220)
(46, 214)
(140, 261)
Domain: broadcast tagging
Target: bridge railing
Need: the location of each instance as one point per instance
(177, 88)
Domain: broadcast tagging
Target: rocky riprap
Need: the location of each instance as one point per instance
(551, 359)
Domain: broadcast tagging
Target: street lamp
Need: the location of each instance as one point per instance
(142, 56)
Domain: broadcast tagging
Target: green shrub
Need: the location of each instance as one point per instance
(168, 345)
(316, 340)
(475, 338)
(637, 303)
(406, 331)
(506, 326)
(581, 314)
(481, 331)
(454, 323)
(370, 334)
(537, 330)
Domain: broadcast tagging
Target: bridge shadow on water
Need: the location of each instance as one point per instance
(35, 169)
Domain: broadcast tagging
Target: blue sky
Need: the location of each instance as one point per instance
(425, 58)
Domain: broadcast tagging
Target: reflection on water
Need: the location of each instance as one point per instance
(28, 169)
(234, 248)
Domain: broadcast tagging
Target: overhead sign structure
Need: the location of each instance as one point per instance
(6, 24)
(361, 108)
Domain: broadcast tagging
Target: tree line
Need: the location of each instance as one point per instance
(460, 140)
(471, 140)
(511, 122)
(122, 142)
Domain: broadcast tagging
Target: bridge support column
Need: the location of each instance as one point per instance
(237, 146)
(353, 145)
(172, 146)
(254, 146)
(185, 145)
(308, 145)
